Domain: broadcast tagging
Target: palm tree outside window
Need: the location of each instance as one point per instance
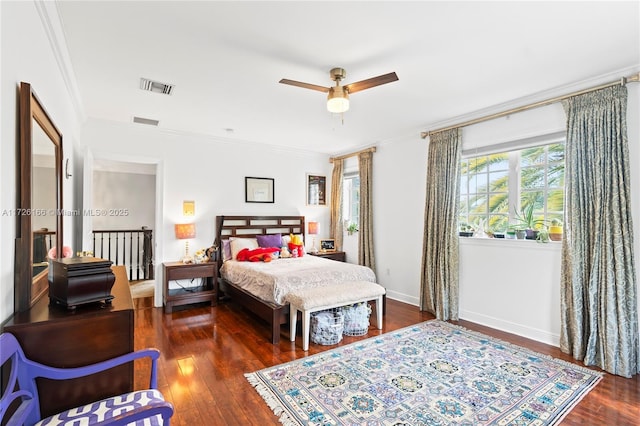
(495, 187)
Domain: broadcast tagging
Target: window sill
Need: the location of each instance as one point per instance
(518, 244)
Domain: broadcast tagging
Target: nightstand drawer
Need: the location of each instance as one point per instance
(191, 271)
(340, 256)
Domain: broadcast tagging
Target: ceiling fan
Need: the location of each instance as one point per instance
(338, 98)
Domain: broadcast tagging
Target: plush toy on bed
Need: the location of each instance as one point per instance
(264, 254)
(295, 245)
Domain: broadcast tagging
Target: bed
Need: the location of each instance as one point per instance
(260, 287)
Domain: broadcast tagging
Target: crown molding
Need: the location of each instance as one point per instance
(51, 23)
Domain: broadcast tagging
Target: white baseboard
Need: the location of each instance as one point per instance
(511, 327)
(401, 297)
(497, 323)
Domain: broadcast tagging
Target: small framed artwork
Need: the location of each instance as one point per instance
(258, 190)
(188, 208)
(327, 245)
(316, 190)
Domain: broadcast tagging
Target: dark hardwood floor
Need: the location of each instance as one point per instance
(206, 352)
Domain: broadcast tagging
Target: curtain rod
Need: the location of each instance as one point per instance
(353, 154)
(623, 81)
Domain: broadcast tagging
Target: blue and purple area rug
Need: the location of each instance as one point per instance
(433, 373)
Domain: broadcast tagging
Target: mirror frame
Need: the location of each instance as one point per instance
(27, 288)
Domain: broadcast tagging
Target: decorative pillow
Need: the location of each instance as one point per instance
(238, 244)
(264, 254)
(273, 240)
(226, 250)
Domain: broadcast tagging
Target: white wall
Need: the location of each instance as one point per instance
(210, 172)
(509, 285)
(26, 55)
(512, 285)
(399, 186)
(130, 195)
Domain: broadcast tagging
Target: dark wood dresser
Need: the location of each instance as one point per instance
(91, 333)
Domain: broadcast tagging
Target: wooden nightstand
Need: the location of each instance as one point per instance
(180, 271)
(333, 255)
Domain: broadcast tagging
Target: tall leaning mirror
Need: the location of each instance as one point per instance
(39, 224)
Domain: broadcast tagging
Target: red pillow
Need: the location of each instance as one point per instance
(256, 255)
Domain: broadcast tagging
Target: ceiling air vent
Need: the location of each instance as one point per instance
(146, 121)
(156, 86)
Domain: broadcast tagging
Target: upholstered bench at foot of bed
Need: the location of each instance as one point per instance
(316, 299)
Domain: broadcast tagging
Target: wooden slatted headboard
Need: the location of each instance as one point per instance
(251, 226)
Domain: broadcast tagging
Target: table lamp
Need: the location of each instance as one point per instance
(186, 231)
(314, 228)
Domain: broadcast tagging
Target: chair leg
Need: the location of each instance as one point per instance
(293, 318)
(306, 319)
(379, 312)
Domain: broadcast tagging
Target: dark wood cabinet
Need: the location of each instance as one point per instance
(207, 292)
(333, 255)
(59, 337)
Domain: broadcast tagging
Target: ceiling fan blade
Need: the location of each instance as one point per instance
(305, 85)
(371, 82)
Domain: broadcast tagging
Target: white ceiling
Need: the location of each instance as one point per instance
(226, 58)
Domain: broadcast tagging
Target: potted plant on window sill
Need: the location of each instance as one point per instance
(555, 230)
(352, 228)
(466, 230)
(527, 221)
(521, 233)
(543, 235)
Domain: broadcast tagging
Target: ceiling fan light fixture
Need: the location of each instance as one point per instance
(338, 100)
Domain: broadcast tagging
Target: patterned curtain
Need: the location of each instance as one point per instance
(439, 281)
(598, 286)
(335, 224)
(365, 227)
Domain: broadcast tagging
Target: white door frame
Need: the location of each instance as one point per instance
(87, 201)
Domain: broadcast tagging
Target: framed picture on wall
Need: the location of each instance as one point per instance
(316, 190)
(258, 190)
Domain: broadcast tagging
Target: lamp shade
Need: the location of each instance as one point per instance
(338, 100)
(314, 228)
(185, 230)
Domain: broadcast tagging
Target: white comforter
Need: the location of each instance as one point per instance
(271, 281)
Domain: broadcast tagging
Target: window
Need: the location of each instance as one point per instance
(351, 198)
(495, 188)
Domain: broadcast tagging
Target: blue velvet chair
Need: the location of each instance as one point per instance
(19, 403)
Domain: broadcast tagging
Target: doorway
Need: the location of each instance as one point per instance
(122, 216)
